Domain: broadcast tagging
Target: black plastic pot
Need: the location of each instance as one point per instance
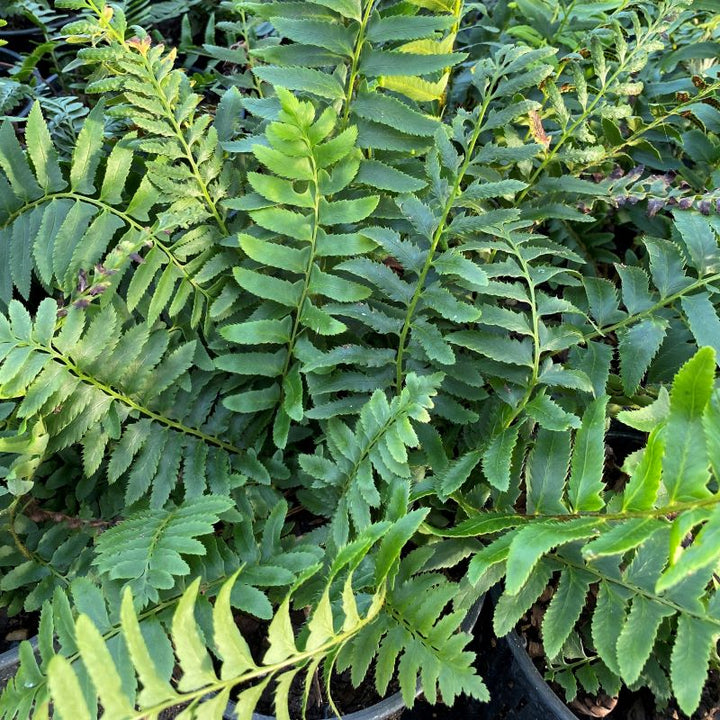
(391, 707)
(10, 663)
(517, 689)
(7, 55)
(33, 32)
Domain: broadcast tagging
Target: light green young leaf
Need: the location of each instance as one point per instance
(155, 689)
(281, 636)
(641, 492)
(65, 690)
(685, 469)
(101, 668)
(704, 551)
(231, 645)
(193, 657)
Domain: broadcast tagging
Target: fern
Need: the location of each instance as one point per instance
(410, 635)
(337, 281)
(629, 548)
(298, 152)
(147, 548)
(268, 565)
(61, 235)
(377, 446)
(401, 50)
(93, 384)
(72, 677)
(185, 169)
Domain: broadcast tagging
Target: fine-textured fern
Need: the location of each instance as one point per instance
(74, 237)
(185, 172)
(113, 386)
(99, 659)
(147, 549)
(298, 151)
(199, 684)
(631, 549)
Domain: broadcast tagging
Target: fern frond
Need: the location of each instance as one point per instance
(146, 549)
(632, 545)
(405, 50)
(377, 446)
(300, 149)
(424, 646)
(103, 386)
(124, 649)
(62, 230)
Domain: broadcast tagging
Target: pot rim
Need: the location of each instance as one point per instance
(535, 678)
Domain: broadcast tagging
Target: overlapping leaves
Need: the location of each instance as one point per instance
(632, 550)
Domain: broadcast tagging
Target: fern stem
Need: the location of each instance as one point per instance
(664, 302)
(709, 92)
(308, 272)
(566, 16)
(355, 64)
(649, 514)
(537, 346)
(437, 235)
(24, 550)
(129, 402)
(636, 590)
(202, 185)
